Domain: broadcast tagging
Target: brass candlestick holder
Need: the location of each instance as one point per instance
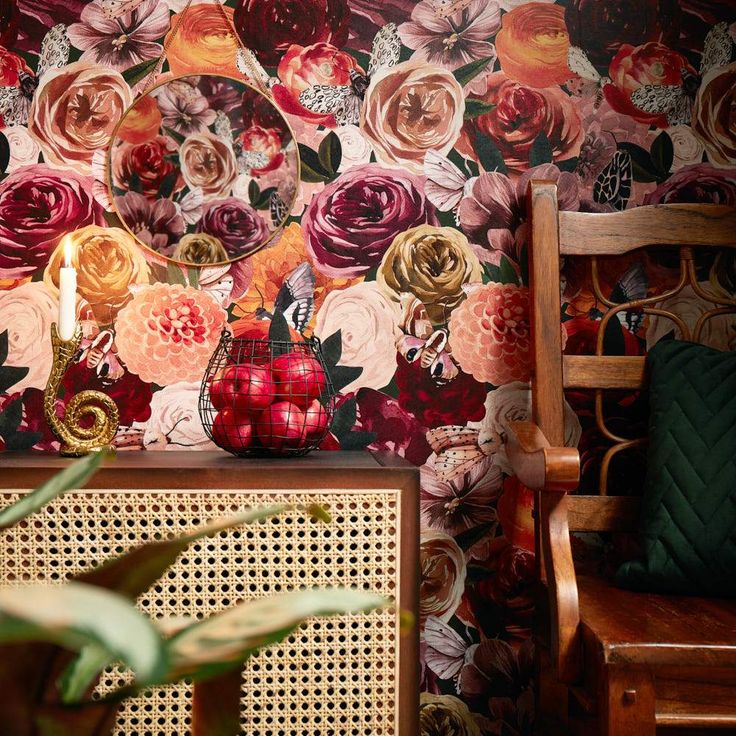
(76, 439)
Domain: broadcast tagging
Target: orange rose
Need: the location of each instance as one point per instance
(74, 112)
(410, 109)
(713, 115)
(203, 43)
(532, 44)
(141, 122)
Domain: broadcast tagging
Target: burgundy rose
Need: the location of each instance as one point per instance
(269, 27)
(601, 27)
(260, 112)
(147, 163)
(221, 94)
(9, 17)
(698, 183)
(37, 17)
(396, 430)
(350, 224)
(38, 205)
(457, 402)
(237, 225)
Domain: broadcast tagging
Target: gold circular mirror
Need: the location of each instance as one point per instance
(203, 169)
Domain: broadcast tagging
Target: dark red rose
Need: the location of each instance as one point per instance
(269, 27)
(599, 28)
(582, 334)
(396, 429)
(368, 17)
(145, 161)
(457, 402)
(39, 16)
(699, 16)
(260, 112)
(9, 17)
(698, 183)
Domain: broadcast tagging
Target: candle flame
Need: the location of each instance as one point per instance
(67, 247)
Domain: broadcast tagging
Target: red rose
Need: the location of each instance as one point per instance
(269, 27)
(11, 65)
(582, 335)
(633, 67)
(521, 113)
(264, 140)
(260, 111)
(305, 66)
(457, 402)
(601, 27)
(147, 162)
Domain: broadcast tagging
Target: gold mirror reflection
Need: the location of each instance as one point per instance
(203, 169)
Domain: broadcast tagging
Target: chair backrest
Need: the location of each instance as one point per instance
(556, 234)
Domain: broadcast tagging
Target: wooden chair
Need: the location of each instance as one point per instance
(613, 661)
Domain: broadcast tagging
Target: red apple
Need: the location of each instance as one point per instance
(299, 378)
(221, 390)
(281, 427)
(253, 388)
(316, 421)
(232, 430)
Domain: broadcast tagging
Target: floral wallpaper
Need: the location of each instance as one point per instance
(410, 212)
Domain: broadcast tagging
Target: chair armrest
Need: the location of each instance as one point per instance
(537, 464)
(552, 471)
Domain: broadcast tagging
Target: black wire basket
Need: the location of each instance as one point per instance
(266, 398)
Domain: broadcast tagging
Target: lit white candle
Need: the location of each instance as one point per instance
(67, 294)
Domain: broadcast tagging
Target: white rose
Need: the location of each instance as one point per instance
(24, 150)
(719, 332)
(512, 402)
(370, 326)
(175, 422)
(356, 148)
(27, 313)
(688, 149)
(443, 572)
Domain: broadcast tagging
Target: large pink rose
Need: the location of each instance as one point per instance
(350, 224)
(37, 207)
(74, 112)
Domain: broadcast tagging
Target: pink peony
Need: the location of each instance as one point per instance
(167, 333)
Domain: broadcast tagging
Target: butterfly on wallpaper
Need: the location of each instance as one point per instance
(445, 183)
(113, 9)
(589, 81)
(345, 101)
(422, 343)
(613, 185)
(446, 8)
(295, 299)
(278, 209)
(676, 100)
(459, 449)
(247, 160)
(251, 68)
(446, 652)
(632, 286)
(15, 102)
(101, 357)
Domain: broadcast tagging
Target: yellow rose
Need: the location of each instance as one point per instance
(445, 714)
(433, 263)
(410, 109)
(202, 43)
(74, 112)
(108, 261)
(208, 162)
(200, 248)
(713, 115)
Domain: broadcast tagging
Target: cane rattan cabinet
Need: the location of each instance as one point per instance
(353, 676)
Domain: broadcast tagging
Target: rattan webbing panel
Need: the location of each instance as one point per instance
(332, 677)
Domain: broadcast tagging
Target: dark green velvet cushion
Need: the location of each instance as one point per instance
(688, 516)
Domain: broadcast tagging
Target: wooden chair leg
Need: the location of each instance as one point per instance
(627, 706)
(552, 695)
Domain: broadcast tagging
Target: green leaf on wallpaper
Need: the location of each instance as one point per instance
(467, 166)
(134, 183)
(174, 274)
(476, 108)
(312, 169)
(541, 151)
(140, 71)
(663, 154)
(357, 440)
(489, 156)
(4, 345)
(332, 349)
(470, 71)
(193, 277)
(465, 540)
(342, 375)
(330, 152)
(643, 168)
(178, 137)
(167, 185)
(10, 375)
(263, 202)
(10, 417)
(371, 274)
(4, 153)
(22, 441)
(569, 164)
(344, 418)
(254, 191)
(503, 273)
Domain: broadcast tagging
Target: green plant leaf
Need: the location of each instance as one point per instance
(357, 440)
(332, 349)
(330, 153)
(178, 137)
(663, 154)
(225, 640)
(476, 108)
(506, 272)
(74, 615)
(342, 375)
(489, 156)
(541, 150)
(10, 417)
(4, 343)
(174, 274)
(82, 671)
(140, 71)
(254, 191)
(264, 199)
(470, 71)
(20, 441)
(312, 169)
(10, 375)
(73, 477)
(465, 540)
(4, 159)
(193, 276)
(345, 417)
